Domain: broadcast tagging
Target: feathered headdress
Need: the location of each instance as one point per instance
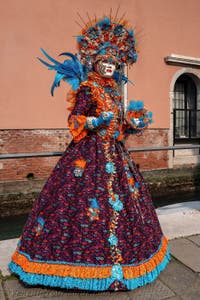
(107, 37)
(97, 40)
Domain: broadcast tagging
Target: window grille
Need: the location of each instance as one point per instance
(186, 114)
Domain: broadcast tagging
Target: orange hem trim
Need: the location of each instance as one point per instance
(78, 132)
(86, 272)
(148, 266)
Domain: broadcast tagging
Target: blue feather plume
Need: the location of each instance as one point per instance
(71, 70)
(135, 105)
(120, 78)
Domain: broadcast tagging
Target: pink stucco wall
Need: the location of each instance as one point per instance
(162, 27)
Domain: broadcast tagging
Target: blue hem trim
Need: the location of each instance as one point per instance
(94, 284)
(132, 284)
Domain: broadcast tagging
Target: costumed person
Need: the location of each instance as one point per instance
(94, 226)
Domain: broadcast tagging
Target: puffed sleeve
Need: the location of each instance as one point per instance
(78, 116)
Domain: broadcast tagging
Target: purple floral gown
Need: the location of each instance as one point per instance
(93, 226)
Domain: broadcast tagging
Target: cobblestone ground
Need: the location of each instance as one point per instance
(179, 281)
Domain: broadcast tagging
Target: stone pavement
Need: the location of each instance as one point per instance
(179, 281)
(180, 219)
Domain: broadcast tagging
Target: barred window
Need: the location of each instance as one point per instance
(186, 114)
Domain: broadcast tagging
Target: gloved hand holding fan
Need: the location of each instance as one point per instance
(137, 116)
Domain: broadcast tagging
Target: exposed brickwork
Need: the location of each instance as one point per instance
(45, 140)
(26, 141)
(150, 138)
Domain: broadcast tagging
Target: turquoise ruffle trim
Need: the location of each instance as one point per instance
(87, 284)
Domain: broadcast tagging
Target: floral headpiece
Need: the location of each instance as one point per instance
(106, 37)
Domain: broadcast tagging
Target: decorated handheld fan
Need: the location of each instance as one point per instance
(137, 116)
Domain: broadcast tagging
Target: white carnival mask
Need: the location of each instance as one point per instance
(106, 69)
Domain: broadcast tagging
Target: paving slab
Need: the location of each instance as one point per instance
(104, 296)
(16, 289)
(195, 239)
(187, 252)
(154, 291)
(7, 249)
(174, 298)
(190, 206)
(193, 295)
(66, 296)
(2, 297)
(113, 296)
(179, 278)
(180, 219)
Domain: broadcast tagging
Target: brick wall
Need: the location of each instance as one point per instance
(150, 138)
(26, 141)
(46, 140)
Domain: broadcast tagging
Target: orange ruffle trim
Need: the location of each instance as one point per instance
(77, 127)
(86, 272)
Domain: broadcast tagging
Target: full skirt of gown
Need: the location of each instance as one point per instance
(79, 236)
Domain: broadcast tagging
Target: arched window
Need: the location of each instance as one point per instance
(185, 110)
